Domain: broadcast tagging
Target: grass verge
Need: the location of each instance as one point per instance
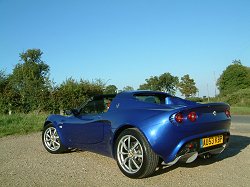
(27, 123)
(240, 110)
(21, 123)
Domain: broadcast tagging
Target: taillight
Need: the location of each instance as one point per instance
(178, 117)
(192, 116)
(228, 114)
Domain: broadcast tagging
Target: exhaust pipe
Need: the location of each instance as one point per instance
(192, 157)
(188, 158)
(171, 163)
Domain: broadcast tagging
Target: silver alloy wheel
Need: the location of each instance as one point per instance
(130, 154)
(51, 139)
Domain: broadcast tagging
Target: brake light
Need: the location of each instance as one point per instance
(178, 117)
(192, 116)
(228, 114)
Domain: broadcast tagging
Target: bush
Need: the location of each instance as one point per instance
(195, 99)
(239, 98)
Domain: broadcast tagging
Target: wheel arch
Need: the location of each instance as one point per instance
(150, 160)
(47, 122)
(116, 135)
(119, 131)
(62, 148)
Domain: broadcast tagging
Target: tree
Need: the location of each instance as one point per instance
(235, 77)
(30, 80)
(165, 82)
(128, 88)
(110, 89)
(187, 86)
(3, 80)
(151, 84)
(72, 93)
(168, 83)
(3, 85)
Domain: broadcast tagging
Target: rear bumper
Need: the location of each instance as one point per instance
(181, 149)
(195, 146)
(191, 156)
(168, 141)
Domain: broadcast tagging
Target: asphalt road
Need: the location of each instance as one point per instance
(24, 162)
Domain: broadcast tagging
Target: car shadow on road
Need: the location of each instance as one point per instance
(236, 145)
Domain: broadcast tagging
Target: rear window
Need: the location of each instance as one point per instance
(153, 98)
(162, 99)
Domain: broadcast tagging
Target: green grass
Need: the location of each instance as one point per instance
(21, 123)
(27, 123)
(235, 110)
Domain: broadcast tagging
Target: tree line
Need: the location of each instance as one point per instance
(29, 87)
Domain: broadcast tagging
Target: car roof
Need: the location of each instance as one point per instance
(104, 96)
(142, 92)
(129, 94)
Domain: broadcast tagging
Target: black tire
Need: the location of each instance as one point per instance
(143, 161)
(51, 140)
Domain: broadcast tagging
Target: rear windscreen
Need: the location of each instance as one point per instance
(162, 99)
(152, 98)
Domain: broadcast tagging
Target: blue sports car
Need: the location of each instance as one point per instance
(141, 129)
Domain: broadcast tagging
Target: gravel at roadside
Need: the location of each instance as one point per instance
(24, 162)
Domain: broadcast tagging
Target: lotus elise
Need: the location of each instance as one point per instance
(141, 129)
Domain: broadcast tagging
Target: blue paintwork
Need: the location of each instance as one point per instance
(156, 122)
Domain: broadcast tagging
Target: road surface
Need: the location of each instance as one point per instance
(24, 162)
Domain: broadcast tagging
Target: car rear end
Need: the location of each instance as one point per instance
(189, 131)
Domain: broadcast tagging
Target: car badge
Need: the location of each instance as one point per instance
(214, 113)
(117, 105)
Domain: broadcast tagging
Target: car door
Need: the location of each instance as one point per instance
(87, 127)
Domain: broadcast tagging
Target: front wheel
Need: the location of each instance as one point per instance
(51, 140)
(134, 155)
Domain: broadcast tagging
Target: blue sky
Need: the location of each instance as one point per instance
(125, 42)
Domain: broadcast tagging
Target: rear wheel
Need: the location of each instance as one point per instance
(51, 140)
(134, 155)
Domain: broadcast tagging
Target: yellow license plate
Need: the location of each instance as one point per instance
(211, 141)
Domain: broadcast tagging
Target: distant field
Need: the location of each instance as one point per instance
(27, 123)
(21, 123)
(240, 110)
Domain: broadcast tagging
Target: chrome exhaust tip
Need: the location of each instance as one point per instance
(187, 158)
(192, 157)
(171, 163)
